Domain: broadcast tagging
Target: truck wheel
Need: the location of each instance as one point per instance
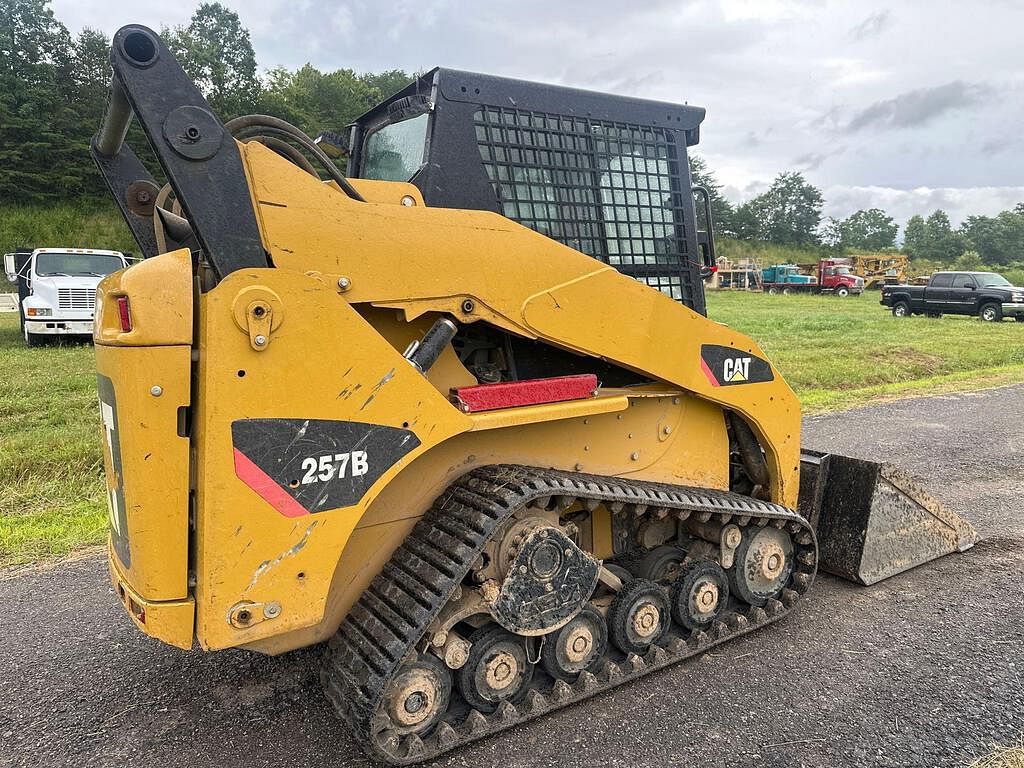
(901, 309)
(1019, 318)
(33, 339)
(990, 313)
(772, 291)
(842, 291)
(787, 291)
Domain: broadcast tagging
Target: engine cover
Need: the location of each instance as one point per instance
(549, 580)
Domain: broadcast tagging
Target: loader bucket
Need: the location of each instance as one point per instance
(872, 520)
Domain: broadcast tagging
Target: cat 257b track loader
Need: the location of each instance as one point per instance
(491, 473)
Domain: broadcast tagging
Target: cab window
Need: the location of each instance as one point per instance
(76, 264)
(395, 152)
(942, 281)
(963, 281)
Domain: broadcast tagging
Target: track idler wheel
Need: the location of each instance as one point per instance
(418, 695)
(638, 617)
(762, 565)
(699, 595)
(497, 669)
(577, 646)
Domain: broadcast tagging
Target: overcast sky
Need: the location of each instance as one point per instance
(907, 106)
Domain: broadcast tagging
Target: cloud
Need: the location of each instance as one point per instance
(901, 204)
(918, 107)
(787, 83)
(812, 161)
(872, 26)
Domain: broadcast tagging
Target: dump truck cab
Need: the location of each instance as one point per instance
(786, 274)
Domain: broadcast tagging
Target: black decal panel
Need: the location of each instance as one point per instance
(311, 465)
(728, 366)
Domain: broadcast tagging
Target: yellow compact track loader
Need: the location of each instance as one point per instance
(492, 474)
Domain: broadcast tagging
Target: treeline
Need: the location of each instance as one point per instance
(789, 214)
(53, 91)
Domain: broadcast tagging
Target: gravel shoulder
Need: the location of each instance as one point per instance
(925, 669)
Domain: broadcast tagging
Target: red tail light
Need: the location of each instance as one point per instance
(124, 312)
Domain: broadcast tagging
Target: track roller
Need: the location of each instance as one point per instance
(638, 617)
(497, 670)
(699, 595)
(577, 646)
(660, 564)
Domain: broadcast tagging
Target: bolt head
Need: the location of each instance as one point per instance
(260, 340)
(408, 201)
(272, 610)
(667, 430)
(344, 283)
(156, 390)
(635, 456)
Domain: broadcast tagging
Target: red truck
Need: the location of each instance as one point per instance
(826, 276)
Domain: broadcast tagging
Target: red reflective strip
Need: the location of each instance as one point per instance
(124, 312)
(509, 394)
(707, 372)
(266, 487)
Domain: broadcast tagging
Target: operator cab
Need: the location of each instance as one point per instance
(606, 175)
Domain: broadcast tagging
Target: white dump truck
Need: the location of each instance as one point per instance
(57, 288)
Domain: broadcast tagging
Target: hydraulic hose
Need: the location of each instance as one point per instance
(242, 127)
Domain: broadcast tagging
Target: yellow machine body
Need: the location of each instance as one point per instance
(197, 552)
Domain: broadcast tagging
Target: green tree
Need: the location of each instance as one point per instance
(39, 157)
(999, 240)
(318, 101)
(969, 261)
(830, 233)
(387, 83)
(871, 230)
(914, 236)
(941, 243)
(789, 213)
(216, 52)
(721, 209)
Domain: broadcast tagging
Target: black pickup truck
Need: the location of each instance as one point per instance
(985, 294)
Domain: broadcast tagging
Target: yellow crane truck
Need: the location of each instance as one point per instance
(492, 474)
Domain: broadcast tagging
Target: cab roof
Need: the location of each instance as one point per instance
(98, 251)
(491, 90)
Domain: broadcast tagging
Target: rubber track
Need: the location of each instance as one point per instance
(391, 617)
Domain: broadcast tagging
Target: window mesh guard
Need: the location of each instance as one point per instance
(610, 190)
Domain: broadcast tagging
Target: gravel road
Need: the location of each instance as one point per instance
(925, 669)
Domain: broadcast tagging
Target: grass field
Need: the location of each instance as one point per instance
(838, 353)
(835, 353)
